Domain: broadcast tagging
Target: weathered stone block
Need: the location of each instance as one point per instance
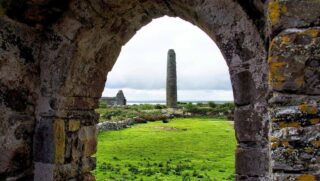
(54, 172)
(78, 103)
(296, 149)
(288, 99)
(252, 161)
(59, 134)
(14, 158)
(88, 164)
(50, 141)
(249, 125)
(88, 137)
(74, 125)
(294, 13)
(251, 178)
(44, 171)
(244, 88)
(298, 177)
(295, 138)
(67, 171)
(44, 142)
(295, 116)
(294, 61)
(76, 151)
(69, 27)
(16, 133)
(88, 177)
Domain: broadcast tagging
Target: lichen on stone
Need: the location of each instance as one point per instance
(306, 178)
(290, 124)
(276, 77)
(308, 109)
(274, 12)
(286, 39)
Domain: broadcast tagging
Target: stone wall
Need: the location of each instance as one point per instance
(109, 125)
(19, 91)
(55, 55)
(294, 78)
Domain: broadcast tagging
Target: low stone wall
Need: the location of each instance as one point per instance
(107, 126)
(166, 115)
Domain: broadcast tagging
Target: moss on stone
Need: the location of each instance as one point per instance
(276, 77)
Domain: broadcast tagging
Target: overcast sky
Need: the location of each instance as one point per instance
(140, 70)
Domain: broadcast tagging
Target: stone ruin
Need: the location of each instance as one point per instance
(119, 100)
(55, 55)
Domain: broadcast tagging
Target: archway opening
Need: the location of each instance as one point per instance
(75, 82)
(199, 141)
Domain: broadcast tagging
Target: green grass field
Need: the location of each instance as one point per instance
(183, 149)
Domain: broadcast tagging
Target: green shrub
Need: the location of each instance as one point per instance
(143, 107)
(102, 105)
(228, 105)
(190, 107)
(159, 106)
(212, 104)
(200, 104)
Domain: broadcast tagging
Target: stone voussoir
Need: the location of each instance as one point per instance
(249, 125)
(252, 162)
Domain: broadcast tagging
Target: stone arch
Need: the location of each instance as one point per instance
(84, 46)
(54, 56)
